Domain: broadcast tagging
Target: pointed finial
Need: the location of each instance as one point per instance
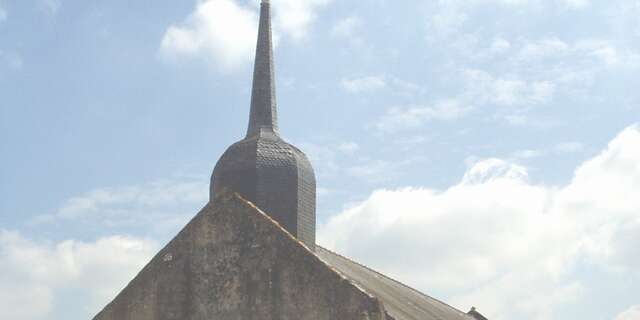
(263, 96)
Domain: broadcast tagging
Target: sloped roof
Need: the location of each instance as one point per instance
(400, 301)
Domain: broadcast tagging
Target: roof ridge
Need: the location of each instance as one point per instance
(394, 280)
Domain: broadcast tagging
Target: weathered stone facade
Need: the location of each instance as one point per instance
(233, 262)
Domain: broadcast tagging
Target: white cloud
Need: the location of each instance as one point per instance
(220, 30)
(560, 148)
(224, 31)
(525, 68)
(333, 159)
(494, 169)
(404, 87)
(36, 274)
(347, 27)
(497, 241)
(486, 88)
(632, 313)
(372, 170)
(166, 205)
(157, 194)
(409, 117)
(542, 48)
(454, 24)
(479, 89)
(609, 54)
(528, 154)
(583, 52)
(369, 84)
(294, 17)
(450, 16)
(364, 84)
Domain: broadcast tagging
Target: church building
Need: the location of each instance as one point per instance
(250, 253)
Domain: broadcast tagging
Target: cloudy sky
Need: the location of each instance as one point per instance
(486, 152)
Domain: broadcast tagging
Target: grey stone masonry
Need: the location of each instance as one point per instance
(233, 262)
(264, 168)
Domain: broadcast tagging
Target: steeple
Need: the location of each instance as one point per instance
(263, 96)
(263, 168)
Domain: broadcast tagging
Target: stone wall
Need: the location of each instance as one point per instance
(234, 262)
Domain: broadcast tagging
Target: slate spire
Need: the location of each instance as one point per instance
(263, 168)
(263, 115)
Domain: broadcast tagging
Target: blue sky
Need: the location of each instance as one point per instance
(490, 145)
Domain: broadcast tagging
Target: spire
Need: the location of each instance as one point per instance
(263, 97)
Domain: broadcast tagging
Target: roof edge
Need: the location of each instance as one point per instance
(309, 251)
(394, 280)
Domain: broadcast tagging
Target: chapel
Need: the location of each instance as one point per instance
(250, 253)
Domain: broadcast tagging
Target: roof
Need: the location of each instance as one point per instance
(474, 313)
(400, 301)
(233, 261)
